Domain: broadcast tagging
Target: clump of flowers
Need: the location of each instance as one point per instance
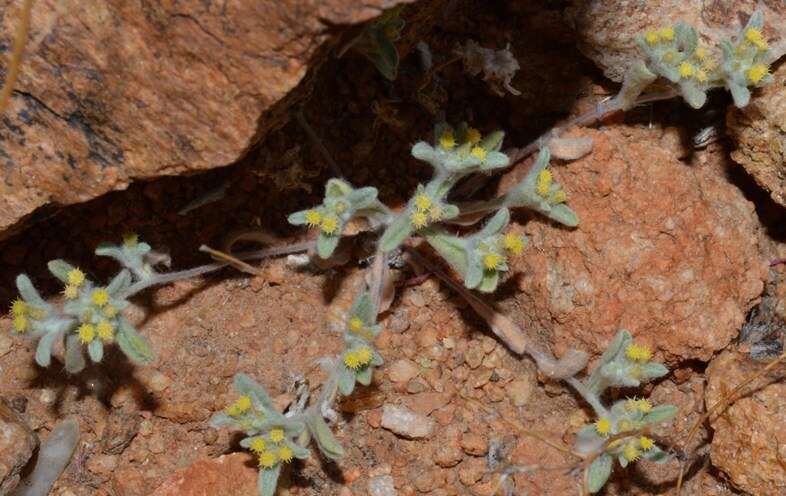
(623, 364)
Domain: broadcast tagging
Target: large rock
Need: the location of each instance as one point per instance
(607, 29)
(759, 131)
(749, 443)
(665, 249)
(112, 91)
(17, 443)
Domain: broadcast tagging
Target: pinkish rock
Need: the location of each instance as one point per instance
(666, 250)
(759, 131)
(749, 443)
(111, 92)
(228, 474)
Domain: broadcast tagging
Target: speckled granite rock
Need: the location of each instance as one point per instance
(749, 444)
(607, 29)
(664, 249)
(759, 131)
(112, 91)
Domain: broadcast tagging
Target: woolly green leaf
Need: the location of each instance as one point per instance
(322, 434)
(134, 345)
(451, 248)
(621, 341)
(474, 276)
(740, 94)
(43, 352)
(496, 224)
(221, 419)
(336, 188)
(119, 283)
(489, 282)
(637, 78)
(495, 160)
(659, 414)
(493, 141)
(396, 233)
(364, 375)
(695, 97)
(326, 245)
(298, 218)
(346, 380)
(298, 451)
(423, 151)
(268, 479)
(28, 291)
(96, 350)
(361, 308)
(60, 269)
(656, 455)
(563, 214)
(599, 472)
(449, 211)
(247, 386)
(653, 370)
(74, 358)
(386, 59)
(363, 197)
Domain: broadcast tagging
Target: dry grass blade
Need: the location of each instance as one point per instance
(16, 56)
(229, 259)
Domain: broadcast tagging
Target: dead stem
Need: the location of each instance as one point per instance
(16, 57)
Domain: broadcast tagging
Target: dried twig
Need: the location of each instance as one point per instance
(16, 56)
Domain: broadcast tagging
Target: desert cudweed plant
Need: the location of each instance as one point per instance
(277, 438)
(675, 54)
(377, 42)
(91, 316)
(623, 364)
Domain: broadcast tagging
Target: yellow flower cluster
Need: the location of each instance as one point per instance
(74, 280)
(269, 456)
(643, 405)
(358, 358)
(426, 210)
(239, 407)
(636, 353)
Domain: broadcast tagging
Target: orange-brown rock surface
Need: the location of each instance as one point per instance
(749, 443)
(112, 91)
(234, 474)
(665, 249)
(759, 133)
(607, 29)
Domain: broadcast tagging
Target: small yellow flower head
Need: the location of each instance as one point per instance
(87, 333)
(668, 57)
(239, 407)
(631, 453)
(513, 243)
(313, 218)
(257, 445)
(652, 38)
(268, 459)
(667, 34)
(355, 324)
(755, 37)
(419, 220)
(100, 297)
(757, 73)
(632, 404)
(277, 435)
(285, 454)
(686, 70)
(447, 140)
(625, 425)
(558, 196)
(75, 277)
(635, 372)
(544, 183)
(492, 261)
(435, 212)
(422, 202)
(473, 136)
(364, 355)
(18, 308)
(21, 324)
(130, 239)
(636, 353)
(351, 360)
(70, 292)
(646, 443)
(340, 207)
(701, 76)
(105, 330)
(603, 426)
(478, 152)
(700, 54)
(109, 311)
(644, 405)
(329, 225)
